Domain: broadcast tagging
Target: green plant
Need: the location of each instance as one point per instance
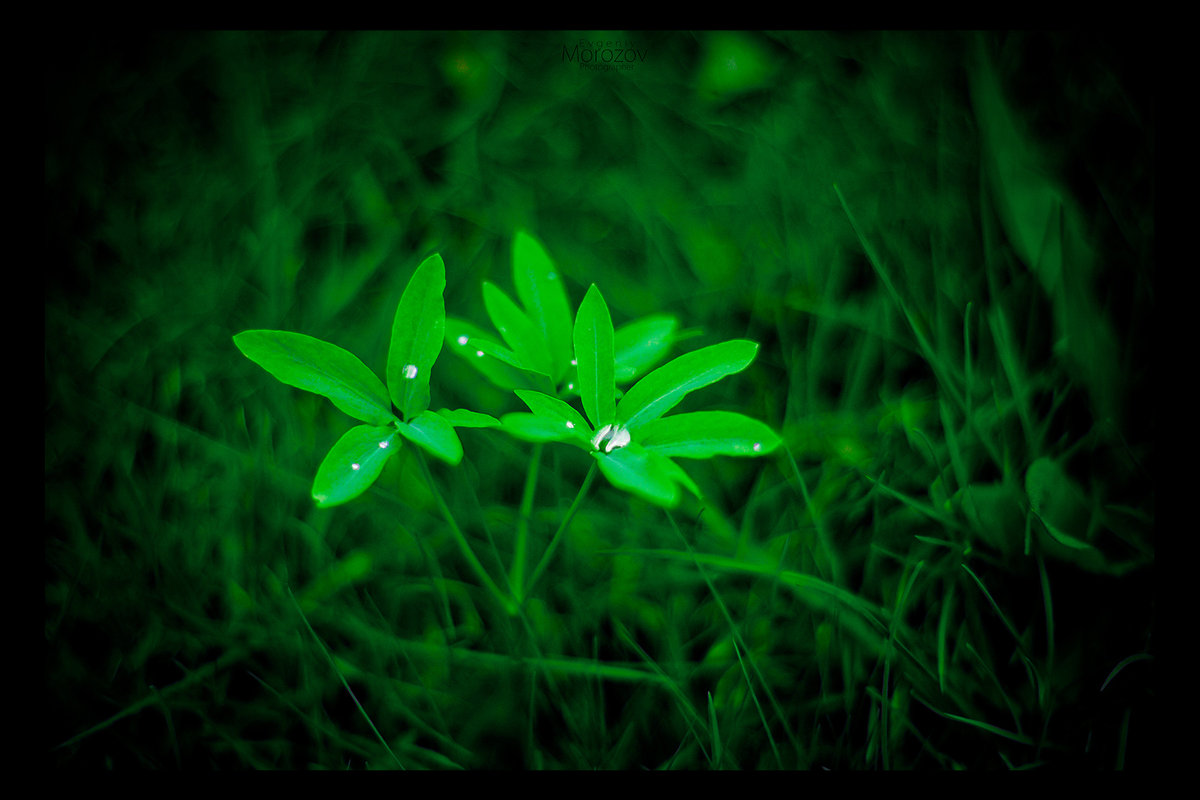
(632, 442)
(357, 459)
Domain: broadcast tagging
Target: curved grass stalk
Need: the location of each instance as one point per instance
(570, 515)
(463, 545)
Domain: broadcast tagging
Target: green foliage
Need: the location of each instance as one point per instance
(704, 434)
(541, 337)
(641, 344)
(661, 390)
(541, 290)
(316, 366)
(528, 346)
(630, 442)
(417, 332)
(358, 458)
(594, 356)
(352, 464)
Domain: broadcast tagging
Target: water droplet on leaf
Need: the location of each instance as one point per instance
(611, 437)
(410, 371)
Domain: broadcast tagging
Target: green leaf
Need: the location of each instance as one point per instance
(642, 344)
(417, 333)
(557, 411)
(435, 434)
(540, 288)
(318, 366)
(1057, 502)
(353, 464)
(673, 471)
(661, 390)
(536, 428)
(516, 330)
(704, 434)
(463, 418)
(492, 360)
(633, 469)
(594, 354)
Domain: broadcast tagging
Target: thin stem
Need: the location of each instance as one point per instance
(463, 545)
(541, 567)
(517, 575)
(342, 678)
(835, 563)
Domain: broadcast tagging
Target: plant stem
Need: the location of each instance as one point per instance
(463, 545)
(541, 567)
(517, 576)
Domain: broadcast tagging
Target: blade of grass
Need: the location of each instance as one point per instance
(566, 522)
(690, 715)
(157, 696)
(460, 539)
(940, 368)
(342, 678)
(517, 574)
(983, 726)
(835, 563)
(737, 639)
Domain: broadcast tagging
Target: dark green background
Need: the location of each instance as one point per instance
(201, 184)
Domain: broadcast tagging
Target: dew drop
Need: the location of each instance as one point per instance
(410, 371)
(757, 446)
(620, 438)
(383, 445)
(600, 436)
(570, 424)
(611, 437)
(574, 363)
(479, 354)
(570, 386)
(464, 339)
(355, 466)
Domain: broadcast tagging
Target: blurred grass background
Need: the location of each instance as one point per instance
(943, 242)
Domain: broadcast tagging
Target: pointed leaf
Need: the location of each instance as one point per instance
(353, 464)
(641, 344)
(318, 366)
(536, 428)
(516, 330)
(661, 390)
(594, 354)
(674, 471)
(554, 409)
(417, 333)
(463, 418)
(495, 362)
(1058, 502)
(632, 469)
(436, 435)
(704, 434)
(540, 288)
